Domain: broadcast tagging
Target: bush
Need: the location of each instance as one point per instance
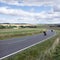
(2, 27)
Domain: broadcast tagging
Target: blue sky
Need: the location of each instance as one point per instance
(29, 11)
(28, 8)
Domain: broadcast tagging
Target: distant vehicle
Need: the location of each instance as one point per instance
(51, 30)
(44, 33)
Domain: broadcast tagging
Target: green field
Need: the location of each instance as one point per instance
(55, 53)
(10, 33)
(42, 51)
(33, 53)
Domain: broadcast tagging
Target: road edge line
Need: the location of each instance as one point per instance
(26, 48)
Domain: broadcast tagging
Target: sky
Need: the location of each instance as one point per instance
(30, 11)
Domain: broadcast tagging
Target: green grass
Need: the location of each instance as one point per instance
(10, 33)
(33, 53)
(55, 55)
(37, 52)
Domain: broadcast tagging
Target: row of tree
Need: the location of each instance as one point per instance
(5, 27)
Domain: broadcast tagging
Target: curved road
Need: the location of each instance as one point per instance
(8, 47)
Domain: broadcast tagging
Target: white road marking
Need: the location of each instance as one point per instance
(26, 47)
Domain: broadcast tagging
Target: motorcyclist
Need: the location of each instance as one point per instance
(51, 30)
(44, 33)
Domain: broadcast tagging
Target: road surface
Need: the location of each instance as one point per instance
(15, 44)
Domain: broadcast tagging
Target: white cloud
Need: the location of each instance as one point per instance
(32, 16)
(28, 2)
(20, 12)
(6, 10)
(56, 6)
(8, 20)
(24, 16)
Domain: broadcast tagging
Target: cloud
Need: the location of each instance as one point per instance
(8, 19)
(6, 10)
(27, 2)
(24, 16)
(56, 8)
(20, 12)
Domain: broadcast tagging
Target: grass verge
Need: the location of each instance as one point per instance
(33, 53)
(54, 54)
(11, 33)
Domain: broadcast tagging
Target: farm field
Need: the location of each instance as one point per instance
(10, 33)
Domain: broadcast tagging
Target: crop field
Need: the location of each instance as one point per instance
(10, 33)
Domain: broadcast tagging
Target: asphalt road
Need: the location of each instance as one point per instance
(12, 45)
